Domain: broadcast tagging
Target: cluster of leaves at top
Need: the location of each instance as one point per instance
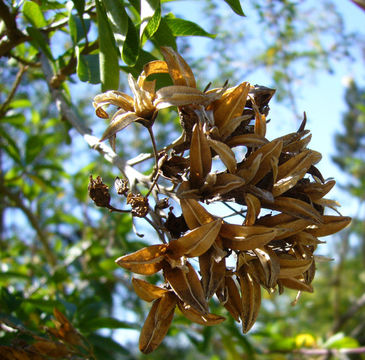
(273, 251)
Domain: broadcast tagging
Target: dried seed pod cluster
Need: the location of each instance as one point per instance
(276, 181)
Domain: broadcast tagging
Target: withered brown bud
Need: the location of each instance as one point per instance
(162, 204)
(121, 186)
(139, 204)
(176, 225)
(99, 192)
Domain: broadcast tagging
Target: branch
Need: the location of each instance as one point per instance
(68, 113)
(18, 202)
(353, 309)
(18, 78)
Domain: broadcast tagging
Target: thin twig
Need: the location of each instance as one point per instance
(18, 78)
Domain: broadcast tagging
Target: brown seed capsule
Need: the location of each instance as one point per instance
(99, 192)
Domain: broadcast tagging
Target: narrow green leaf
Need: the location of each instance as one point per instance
(148, 9)
(235, 6)
(88, 68)
(118, 20)
(10, 146)
(78, 28)
(143, 58)
(164, 36)
(34, 14)
(79, 6)
(152, 25)
(131, 45)
(180, 27)
(38, 41)
(108, 55)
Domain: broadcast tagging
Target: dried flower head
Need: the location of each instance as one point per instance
(99, 192)
(276, 182)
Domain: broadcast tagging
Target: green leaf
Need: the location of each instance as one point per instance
(340, 341)
(38, 41)
(131, 45)
(78, 28)
(180, 27)
(152, 25)
(108, 55)
(10, 146)
(79, 6)
(118, 20)
(34, 14)
(143, 58)
(148, 11)
(20, 103)
(88, 68)
(106, 348)
(235, 6)
(164, 36)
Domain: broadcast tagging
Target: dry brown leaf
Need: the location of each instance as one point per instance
(179, 70)
(230, 126)
(55, 350)
(249, 140)
(146, 261)
(200, 157)
(331, 224)
(157, 323)
(247, 173)
(225, 183)
(187, 286)
(251, 299)
(185, 191)
(295, 284)
(298, 145)
(225, 154)
(316, 190)
(253, 209)
(212, 272)
(147, 291)
(206, 320)
(196, 242)
(239, 237)
(270, 265)
(230, 105)
(293, 267)
(295, 207)
(194, 213)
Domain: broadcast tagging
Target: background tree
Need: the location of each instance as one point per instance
(57, 251)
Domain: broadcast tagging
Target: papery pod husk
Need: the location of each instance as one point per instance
(229, 297)
(200, 157)
(151, 68)
(225, 183)
(316, 190)
(248, 140)
(212, 272)
(157, 323)
(112, 97)
(225, 154)
(179, 70)
(121, 119)
(196, 242)
(195, 214)
(299, 163)
(260, 193)
(295, 284)
(146, 261)
(175, 95)
(292, 137)
(187, 286)
(251, 299)
(247, 173)
(298, 145)
(270, 264)
(269, 152)
(206, 320)
(253, 209)
(146, 291)
(295, 207)
(293, 267)
(260, 122)
(242, 238)
(330, 225)
(185, 191)
(332, 204)
(310, 273)
(230, 126)
(305, 238)
(230, 105)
